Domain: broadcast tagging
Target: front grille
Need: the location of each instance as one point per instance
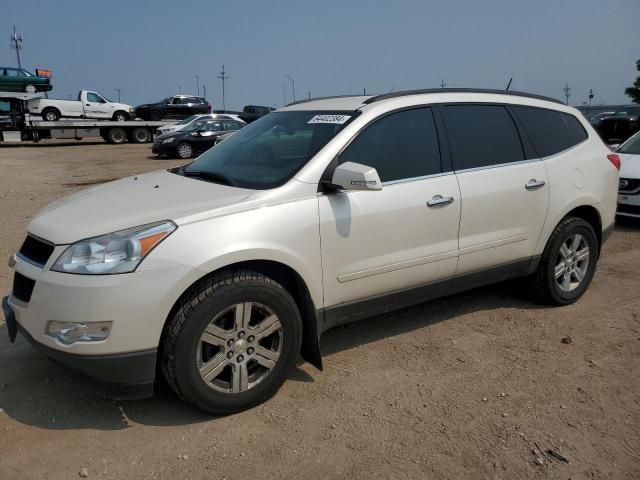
(35, 250)
(632, 209)
(22, 287)
(629, 185)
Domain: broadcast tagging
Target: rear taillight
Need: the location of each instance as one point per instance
(614, 159)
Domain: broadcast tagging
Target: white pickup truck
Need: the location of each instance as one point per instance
(88, 105)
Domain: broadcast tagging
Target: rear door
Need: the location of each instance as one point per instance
(504, 188)
(377, 242)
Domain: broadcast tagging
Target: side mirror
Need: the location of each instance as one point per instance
(351, 176)
(197, 133)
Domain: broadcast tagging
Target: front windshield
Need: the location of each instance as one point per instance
(269, 151)
(631, 146)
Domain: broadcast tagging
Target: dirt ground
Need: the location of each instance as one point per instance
(459, 388)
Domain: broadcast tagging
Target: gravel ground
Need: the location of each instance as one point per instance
(477, 385)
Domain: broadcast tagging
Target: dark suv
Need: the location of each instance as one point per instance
(621, 125)
(178, 106)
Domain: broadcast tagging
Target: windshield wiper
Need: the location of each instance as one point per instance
(211, 176)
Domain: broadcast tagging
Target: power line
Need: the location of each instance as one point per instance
(567, 93)
(223, 76)
(16, 43)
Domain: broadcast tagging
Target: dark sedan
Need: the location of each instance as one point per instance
(194, 139)
(21, 80)
(620, 126)
(176, 107)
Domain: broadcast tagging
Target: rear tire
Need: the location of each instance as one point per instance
(116, 136)
(233, 365)
(141, 135)
(184, 151)
(50, 115)
(568, 263)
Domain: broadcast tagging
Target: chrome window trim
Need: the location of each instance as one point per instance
(415, 179)
(498, 165)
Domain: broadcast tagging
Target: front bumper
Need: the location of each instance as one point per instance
(629, 205)
(164, 148)
(126, 375)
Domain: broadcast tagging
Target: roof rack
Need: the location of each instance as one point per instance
(458, 90)
(307, 100)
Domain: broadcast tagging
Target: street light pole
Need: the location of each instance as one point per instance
(223, 76)
(198, 84)
(118, 90)
(293, 86)
(204, 92)
(16, 42)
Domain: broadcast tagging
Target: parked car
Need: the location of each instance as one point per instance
(193, 139)
(222, 272)
(249, 113)
(176, 107)
(196, 118)
(621, 125)
(89, 105)
(629, 191)
(21, 80)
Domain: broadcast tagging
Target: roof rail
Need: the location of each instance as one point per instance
(458, 90)
(307, 100)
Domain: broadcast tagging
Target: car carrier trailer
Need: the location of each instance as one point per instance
(18, 125)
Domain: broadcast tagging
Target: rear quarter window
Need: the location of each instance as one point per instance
(551, 131)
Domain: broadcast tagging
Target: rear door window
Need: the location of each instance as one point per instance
(481, 136)
(551, 131)
(399, 146)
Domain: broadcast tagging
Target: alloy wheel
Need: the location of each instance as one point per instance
(185, 151)
(239, 348)
(30, 89)
(572, 262)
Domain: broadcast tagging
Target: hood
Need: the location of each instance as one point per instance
(130, 202)
(629, 165)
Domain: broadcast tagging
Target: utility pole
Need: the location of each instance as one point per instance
(16, 42)
(309, 94)
(293, 86)
(567, 93)
(590, 95)
(118, 90)
(198, 84)
(284, 92)
(180, 89)
(223, 76)
(364, 91)
(442, 84)
(204, 91)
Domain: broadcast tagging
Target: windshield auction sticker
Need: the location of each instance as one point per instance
(336, 119)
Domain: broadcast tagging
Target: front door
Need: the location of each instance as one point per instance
(505, 194)
(406, 234)
(96, 106)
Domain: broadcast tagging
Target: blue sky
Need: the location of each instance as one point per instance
(151, 48)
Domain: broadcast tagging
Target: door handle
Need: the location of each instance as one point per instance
(534, 184)
(439, 201)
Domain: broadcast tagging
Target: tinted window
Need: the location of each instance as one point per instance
(92, 97)
(551, 132)
(401, 145)
(231, 125)
(481, 135)
(212, 127)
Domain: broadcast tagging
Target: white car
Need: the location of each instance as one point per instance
(629, 191)
(196, 118)
(88, 105)
(224, 271)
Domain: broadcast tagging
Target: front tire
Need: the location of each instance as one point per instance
(184, 151)
(30, 89)
(568, 263)
(231, 342)
(120, 116)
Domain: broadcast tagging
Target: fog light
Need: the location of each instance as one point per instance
(71, 332)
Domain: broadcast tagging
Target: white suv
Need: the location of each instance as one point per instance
(324, 212)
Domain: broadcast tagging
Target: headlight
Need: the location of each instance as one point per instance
(131, 110)
(118, 252)
(169, 140)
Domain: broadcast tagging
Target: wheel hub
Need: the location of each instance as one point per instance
(240, 346)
